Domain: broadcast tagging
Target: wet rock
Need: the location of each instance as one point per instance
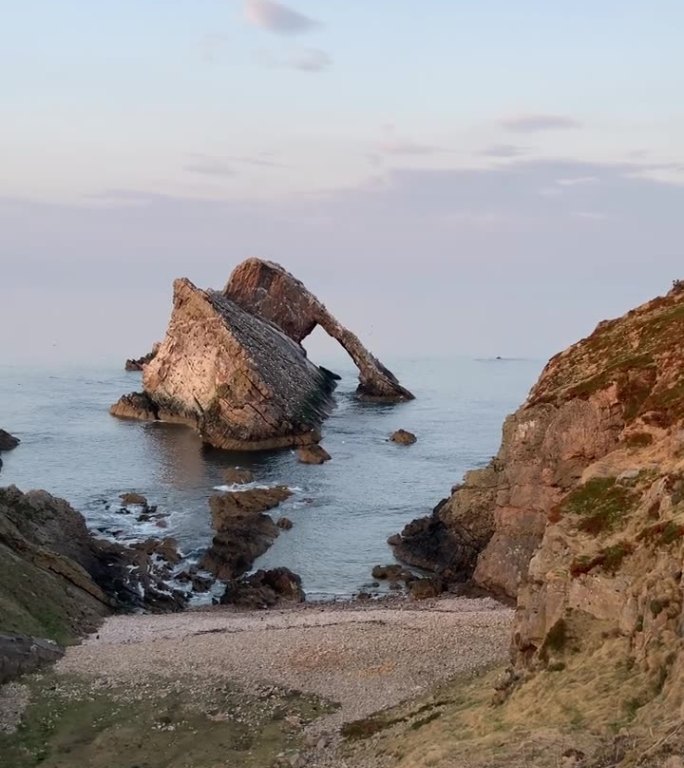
(7, 441)
(137, 406)
(285, 524)
(238, 476)
(265, 589)
(243, 531)
(392, 572)
(313, 454)
(166, 548)
(20, 654)
(269, 291)
(133, 499)
(402, 437)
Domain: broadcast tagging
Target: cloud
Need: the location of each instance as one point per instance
(536, 123)
(310, 60)
(504, 150)
(278, 18)
(577, 181)
(394, 144)
(210, 166)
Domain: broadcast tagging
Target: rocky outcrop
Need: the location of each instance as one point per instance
(313, 454)
(402, 437)
(237, 379)
(20, 654)
(57, 580)
(617, 389)
(238, 476)
(264, 589)
(243, 531)
(137, 364)
(7, 441)
(267, 290)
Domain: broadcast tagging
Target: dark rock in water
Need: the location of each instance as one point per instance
(137, 364)
(7, 441)
(265, 589)
(135, 499)
(20, 654)
(313, 454)
(423, 589)
(267, 290)
(285, 524)
(392, 572)
(166, 548)
(57, 580)
(234, 377)
(403, 437)
(238, 476)
(243, 531)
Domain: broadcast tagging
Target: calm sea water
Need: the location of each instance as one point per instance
(342, 511)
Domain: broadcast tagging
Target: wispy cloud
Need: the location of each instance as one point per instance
(210, 166)
(393, 144)
(577, 181)
(277, 17)
(540, 122)
(504, 150)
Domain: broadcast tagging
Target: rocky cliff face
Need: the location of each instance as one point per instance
(619, 389)
(267, 290)
(239, 380)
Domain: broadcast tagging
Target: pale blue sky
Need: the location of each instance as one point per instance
(486, 177)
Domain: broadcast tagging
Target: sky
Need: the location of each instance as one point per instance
(450, 177)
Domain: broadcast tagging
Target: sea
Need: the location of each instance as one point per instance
(343, 511)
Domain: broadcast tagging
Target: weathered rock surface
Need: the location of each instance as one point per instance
(243, 531)
(137, 364)
(313, 454)
(267, 290)
(264, 589)
(236, 378)
(403, 437)
(20, 654)
(57, 580)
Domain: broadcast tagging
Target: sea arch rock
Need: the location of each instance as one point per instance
(267, 290)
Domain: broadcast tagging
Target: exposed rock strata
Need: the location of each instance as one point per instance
(137, 364)
(267, 290)
(237, 379)
(243, 531)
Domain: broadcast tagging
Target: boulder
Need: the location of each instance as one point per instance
(424, 589)
(243, 531)
(20, 654)
(265, 589)
(237, 379)
(403, 437)
(285, 524)
(7, 441)
(268, 290)
(313, 454)
(133, 499)
(238, 476)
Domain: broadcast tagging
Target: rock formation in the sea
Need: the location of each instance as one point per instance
(137, 364)
(602, 398)
(236, 378)
(267, 290)
(264, 589)
(57, 581)
(7, 442)
(243, 531)
(313, 454)
(403, 437)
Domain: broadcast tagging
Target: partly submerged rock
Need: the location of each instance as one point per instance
(134, 499)
(265, 589)
(313, 454)
(137, 364)
(269, 291)
(403, 437)
(238, 476)
(7, 441)
(243, 531)
(236, 378)
(285, 524)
